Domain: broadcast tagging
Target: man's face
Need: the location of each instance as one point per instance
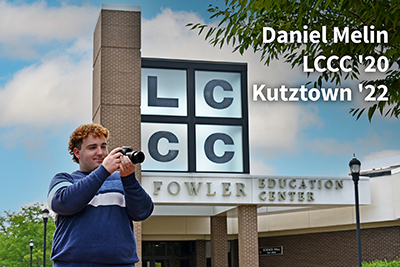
(92, 153)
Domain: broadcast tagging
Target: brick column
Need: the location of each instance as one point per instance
(201, 260)
(219, 242)
(117, 80)
(248, 236)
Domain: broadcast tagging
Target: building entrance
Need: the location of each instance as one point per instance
(168, 254)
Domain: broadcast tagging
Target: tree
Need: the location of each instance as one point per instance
(17, 229)
(242, 23)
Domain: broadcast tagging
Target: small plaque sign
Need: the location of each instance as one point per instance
(271, 251)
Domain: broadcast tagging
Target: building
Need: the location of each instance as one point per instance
(209, 214)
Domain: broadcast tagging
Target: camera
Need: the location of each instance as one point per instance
(134, 156)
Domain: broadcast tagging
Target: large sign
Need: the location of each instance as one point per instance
(194, 116)
(230, 189)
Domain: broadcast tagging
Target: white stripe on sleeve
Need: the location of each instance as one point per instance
(54, 190)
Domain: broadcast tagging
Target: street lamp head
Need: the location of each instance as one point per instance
(31, 243)
(355, 165)
(45, 214)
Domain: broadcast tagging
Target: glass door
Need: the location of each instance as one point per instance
(168, 254)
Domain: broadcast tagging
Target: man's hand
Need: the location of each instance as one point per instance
(116, 160)
(126, 167)
(113, 160)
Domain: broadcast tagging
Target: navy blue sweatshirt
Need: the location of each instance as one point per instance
(94, 218)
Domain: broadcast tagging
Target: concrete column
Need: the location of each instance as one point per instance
(117, 80)
(219, 242)
(248, 236)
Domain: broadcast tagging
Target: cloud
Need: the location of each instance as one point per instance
(56, 87)
(329, 146)
(259, 167)
(178, 41)
(54, 91)
(275, 130)
(25, 28)
(382, 154)
(372, 141)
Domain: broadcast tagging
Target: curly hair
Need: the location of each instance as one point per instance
(83, 131)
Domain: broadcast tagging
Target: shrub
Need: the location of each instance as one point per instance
(380, 263)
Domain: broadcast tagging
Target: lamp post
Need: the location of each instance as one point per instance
(355, 165)
(31, 246)
(45, 215)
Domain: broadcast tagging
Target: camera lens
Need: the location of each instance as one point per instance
(134, 156)
(137, 157)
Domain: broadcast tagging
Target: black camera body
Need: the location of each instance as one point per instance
(134, 156)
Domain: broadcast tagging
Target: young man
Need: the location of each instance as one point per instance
(96, 205)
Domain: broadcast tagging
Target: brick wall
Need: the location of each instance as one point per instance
(333, 249)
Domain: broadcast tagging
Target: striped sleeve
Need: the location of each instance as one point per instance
(70, 198)
(59, 181)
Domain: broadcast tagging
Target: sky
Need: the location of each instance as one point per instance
(46, 86)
